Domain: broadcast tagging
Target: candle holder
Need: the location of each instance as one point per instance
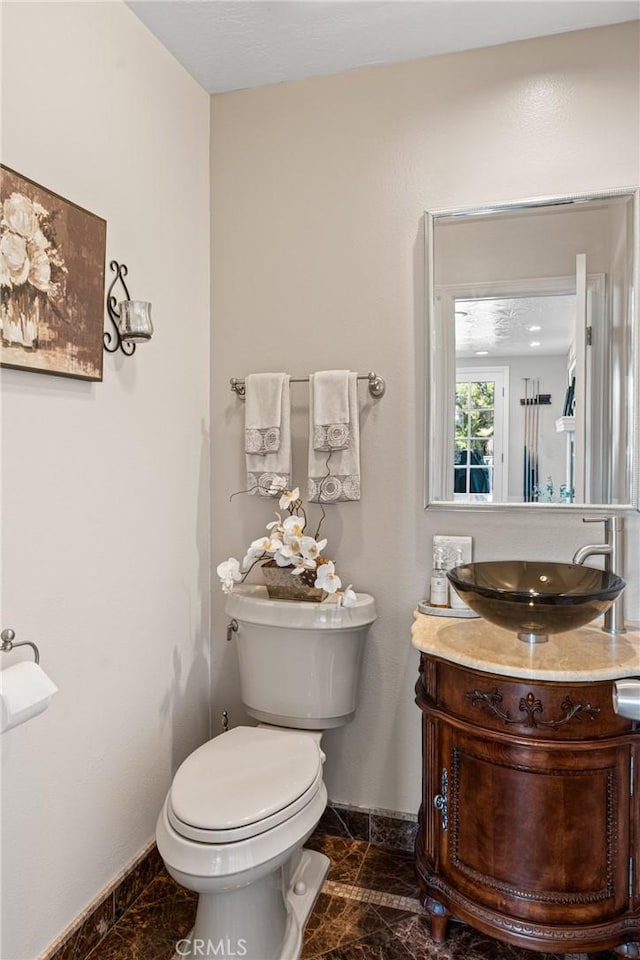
(131, 319)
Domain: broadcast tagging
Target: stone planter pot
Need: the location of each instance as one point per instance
(282, 585)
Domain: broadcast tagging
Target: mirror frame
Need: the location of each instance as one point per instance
(440, 363)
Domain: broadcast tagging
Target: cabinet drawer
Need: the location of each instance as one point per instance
(553, 710)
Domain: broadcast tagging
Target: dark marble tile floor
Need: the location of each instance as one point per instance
(368, 910)
(373, 826)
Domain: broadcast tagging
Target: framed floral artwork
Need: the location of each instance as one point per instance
(52, 257)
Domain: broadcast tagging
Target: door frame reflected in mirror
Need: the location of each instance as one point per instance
(441, 368)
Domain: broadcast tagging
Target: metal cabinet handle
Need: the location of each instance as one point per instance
(441, 800)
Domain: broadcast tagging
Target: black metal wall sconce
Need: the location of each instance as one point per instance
(131, 319)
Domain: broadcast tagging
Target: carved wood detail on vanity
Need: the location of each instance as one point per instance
(539, 708)
(541, 843)
(532, 708)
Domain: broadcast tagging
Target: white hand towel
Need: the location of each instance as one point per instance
(335, 475)
(270, 471)
(331, 427)
(25, 692)
(263, 412)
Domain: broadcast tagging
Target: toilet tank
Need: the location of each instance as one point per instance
(299, 661)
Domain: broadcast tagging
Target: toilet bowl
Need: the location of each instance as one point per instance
(242, 805)
(238, 810)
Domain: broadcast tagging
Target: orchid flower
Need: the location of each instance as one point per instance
(300, 564)
(266, 544)
(327, 579)
(310, 548)
(277, 533)
(282, 559)
(229, 573)
(293, 527)
(250, 558)
(349, 597)
(292, 544)
(289, 498)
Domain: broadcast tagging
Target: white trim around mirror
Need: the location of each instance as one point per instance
(440, 367)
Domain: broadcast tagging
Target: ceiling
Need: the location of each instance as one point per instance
(515, 326)
(232, 44)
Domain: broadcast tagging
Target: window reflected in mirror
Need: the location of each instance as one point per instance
(479, 408)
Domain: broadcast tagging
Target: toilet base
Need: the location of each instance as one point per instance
(311, 871)
(257, 921)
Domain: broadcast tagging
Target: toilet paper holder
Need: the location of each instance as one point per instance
(6, 638)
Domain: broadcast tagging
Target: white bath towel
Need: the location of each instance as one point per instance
(331, 427)
(335, 475)
(263, 412)
(269, 470)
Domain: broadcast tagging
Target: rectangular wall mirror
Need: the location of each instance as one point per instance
(532, 393)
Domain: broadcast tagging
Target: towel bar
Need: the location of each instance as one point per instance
(7, 643)
(377, 386)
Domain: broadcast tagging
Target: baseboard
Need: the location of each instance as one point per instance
(105, 910)
(382, 828)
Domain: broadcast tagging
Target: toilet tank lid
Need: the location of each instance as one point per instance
(243, 776)
(251, 603)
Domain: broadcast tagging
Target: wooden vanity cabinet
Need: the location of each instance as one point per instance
(529, 827)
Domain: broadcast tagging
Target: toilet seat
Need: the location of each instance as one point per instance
(243, 783)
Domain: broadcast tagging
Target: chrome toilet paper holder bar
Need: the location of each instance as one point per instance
(7, 643)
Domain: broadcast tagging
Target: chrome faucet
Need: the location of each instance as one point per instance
(613, 553)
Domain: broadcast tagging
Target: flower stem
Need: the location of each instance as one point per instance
(320, 522)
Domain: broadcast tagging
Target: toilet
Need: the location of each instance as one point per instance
(240, 808)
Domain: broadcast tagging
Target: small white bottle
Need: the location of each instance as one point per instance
(455, 601)
(439, 592)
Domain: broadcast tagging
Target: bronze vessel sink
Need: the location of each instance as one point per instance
(536, 598)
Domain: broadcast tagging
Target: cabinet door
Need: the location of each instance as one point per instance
(540, 830)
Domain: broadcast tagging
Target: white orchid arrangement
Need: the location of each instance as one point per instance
(288, 546)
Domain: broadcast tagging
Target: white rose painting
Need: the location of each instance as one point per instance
(52, 255)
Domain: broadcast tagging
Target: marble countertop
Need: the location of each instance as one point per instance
(583, 655)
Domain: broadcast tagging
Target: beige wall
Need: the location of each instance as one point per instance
(318, 190)
(105, 485)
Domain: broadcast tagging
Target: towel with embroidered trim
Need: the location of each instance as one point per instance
(268, 433)
(334, 472)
